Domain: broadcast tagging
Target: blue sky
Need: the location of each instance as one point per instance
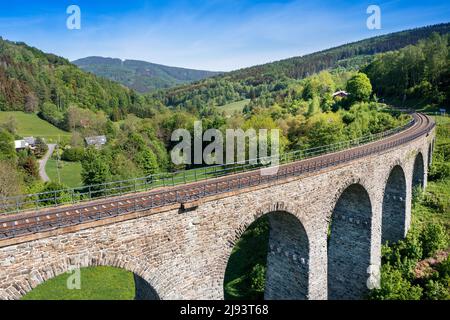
(211, 34)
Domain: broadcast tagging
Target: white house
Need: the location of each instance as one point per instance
(25, 143)
(97, 141)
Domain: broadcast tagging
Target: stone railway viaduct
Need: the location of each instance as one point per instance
(181, 251)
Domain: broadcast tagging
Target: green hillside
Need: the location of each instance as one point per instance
(255, 82)
(29, 124)
(29, 78)
(141, 76)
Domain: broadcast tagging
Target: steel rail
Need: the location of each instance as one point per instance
(56, 198)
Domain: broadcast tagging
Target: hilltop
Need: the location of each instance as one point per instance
(141, 76)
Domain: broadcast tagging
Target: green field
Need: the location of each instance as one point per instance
(250, 250)
(233, 107)
(97, 283)
(29, 124)
(70, 172)
(437, 194)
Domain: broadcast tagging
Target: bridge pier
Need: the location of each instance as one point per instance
(287, 259)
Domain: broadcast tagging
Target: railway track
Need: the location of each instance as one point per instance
(20, 224)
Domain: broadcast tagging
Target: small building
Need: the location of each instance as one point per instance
(30, 140)
(341, 94)
(20, 145)
(97, 141)
(25, 143)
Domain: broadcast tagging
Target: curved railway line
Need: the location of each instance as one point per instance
(20, 224)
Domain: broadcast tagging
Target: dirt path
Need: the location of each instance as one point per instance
(43, 162)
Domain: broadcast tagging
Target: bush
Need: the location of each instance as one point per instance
(417, 195)
(434, 238)
(393, 286)
(54, 194)
(444, 268)
(435, 290)
(49, 112)
(258, 278)
(435, 202)
(41, 148)
(73, 154)
(439, 171)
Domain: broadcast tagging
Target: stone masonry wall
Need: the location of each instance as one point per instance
(183, 255)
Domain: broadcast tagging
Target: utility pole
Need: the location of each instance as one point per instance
(58, 159)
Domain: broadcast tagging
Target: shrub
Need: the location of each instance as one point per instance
(439, 171)
(434, 238)
(444, 268)
(258, 278)
(41, 148)
(73, 154)
(417, 195)
(434, 201)
(435, 290)
(393, 286)
(54, 194)
(404, 254)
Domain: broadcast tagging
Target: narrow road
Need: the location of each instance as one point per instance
(43, 162)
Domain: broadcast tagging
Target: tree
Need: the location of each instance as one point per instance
(313, 106)
(31, 102)
(10, 182)
(95, 170)
(54, 193)
(434, 238)
(41, 148)
(435, 290)
(394, 286)
(73, 154)
(359, 87)
(7, 150)
(11, 125)
(28, 163)
(258, 278)
(147, 161)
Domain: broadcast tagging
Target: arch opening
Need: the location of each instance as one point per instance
(393, 224)
(94, 283)
(418, 180)
(349, 245)
(277, 242)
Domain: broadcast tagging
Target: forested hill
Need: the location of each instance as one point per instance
(141, 76)
(29, 78)
(300, 67)
(254, 81)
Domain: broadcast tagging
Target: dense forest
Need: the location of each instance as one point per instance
(139, 127)
(296, 95)
(141, 76)
(417, 72)
(253, 82)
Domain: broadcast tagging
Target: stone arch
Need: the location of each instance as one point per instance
(349, 244)
(147, 288)
(418, 178)
(287, 275)
(394, 211)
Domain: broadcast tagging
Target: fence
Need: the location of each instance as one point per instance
(47, 220)
(118, 188)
